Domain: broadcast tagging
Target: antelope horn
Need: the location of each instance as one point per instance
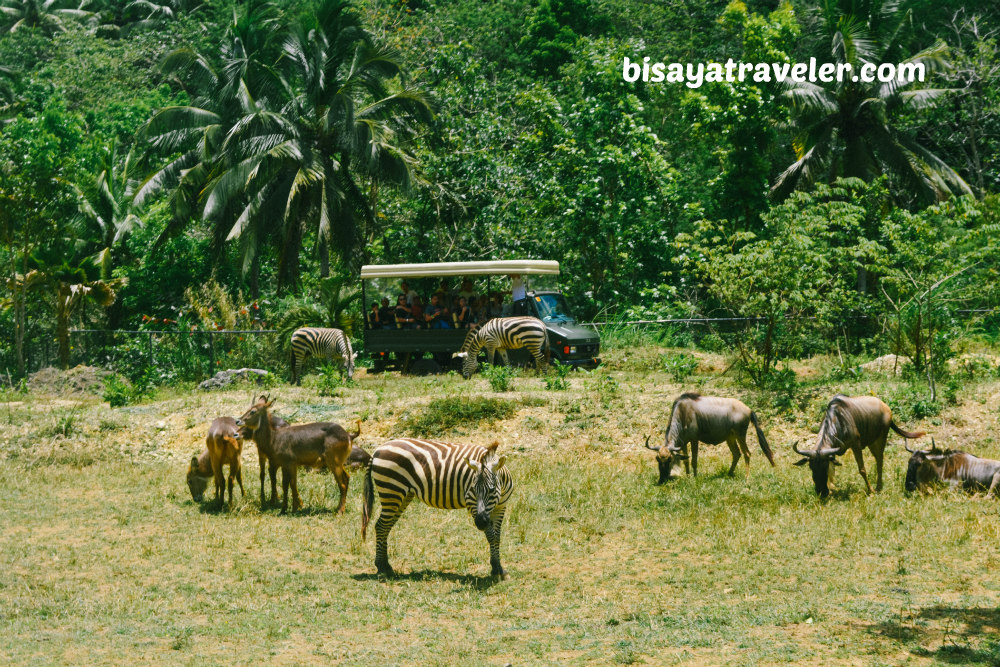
(806, 453)
(647, 444)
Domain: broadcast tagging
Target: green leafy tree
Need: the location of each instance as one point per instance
(796, 274)
(936, 261)
(36, 163)
(851, 128)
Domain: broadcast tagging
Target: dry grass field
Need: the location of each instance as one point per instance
(105, 558)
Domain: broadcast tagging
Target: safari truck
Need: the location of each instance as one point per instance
(394, 346)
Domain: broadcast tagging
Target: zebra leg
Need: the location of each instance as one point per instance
(392, 508)
(506, 359)
(493, 536)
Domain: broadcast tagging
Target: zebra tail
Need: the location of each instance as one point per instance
(548, 350)
(368, 499)
(764, 447)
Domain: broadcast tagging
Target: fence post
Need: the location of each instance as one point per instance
(150, 350)
(211, 353)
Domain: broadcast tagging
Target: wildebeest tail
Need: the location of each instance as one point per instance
(764, 447)
(903, 433)
(368, 500)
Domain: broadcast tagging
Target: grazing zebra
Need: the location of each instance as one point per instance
(505, 333)
(442, 475)
(329, 343)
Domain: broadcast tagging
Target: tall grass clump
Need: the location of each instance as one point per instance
(447, 415)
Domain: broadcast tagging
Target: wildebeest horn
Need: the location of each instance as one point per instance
(934, 447)
(647, 444)
(807, 453)
(906, 446)
(827, 451)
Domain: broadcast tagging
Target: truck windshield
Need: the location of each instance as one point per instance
(552, 308)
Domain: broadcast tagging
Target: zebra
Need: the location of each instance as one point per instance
(505, 333)
(329, 343)
(442, 475)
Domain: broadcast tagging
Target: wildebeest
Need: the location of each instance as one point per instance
(224, 446)
(952, 467)
(300, 444)
(710, 419)
(851, 422)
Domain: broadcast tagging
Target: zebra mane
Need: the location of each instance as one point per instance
(469, 340)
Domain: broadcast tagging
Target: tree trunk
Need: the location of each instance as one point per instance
(63, 297)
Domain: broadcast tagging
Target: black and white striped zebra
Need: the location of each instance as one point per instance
(329, 343)
(442, 475)
(502, 334)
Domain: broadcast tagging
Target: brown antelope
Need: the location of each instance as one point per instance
(300, 444)
(710, 419)
(224, 447)
(953, 467)
(266, 456)
(851, 423)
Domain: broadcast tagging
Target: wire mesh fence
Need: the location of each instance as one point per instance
(169, 355)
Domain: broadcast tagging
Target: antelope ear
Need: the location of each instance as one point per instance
(194, 461)
(802, 462)
(475, 465)
(271, 402)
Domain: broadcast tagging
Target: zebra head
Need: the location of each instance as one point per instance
(468, 353)
(484, 494)
(349, 363)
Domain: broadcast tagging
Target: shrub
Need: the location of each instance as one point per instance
(680, 367)
(118, 391)
(501, 378)
(559, 379)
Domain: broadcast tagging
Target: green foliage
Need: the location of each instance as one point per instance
(331, 379)
(118, 391)
(680, 367)
(558, 379)
(446, 415)
(936, 261)
(500, 377)
(798, 276)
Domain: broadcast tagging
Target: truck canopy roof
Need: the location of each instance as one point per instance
(498, 267)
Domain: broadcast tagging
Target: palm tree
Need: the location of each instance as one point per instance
(46, 15)
(193, 134)
(298, 164)
(846, 128)
(107, 214)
